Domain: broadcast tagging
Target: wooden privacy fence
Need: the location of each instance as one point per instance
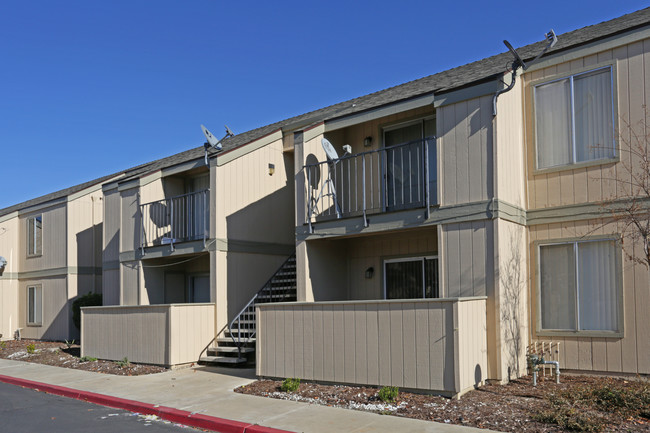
(435, 345)
(168, 334)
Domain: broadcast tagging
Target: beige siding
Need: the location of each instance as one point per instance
(466, 259)
(507, 309)
(601, 181)
(10, 249)
(465, 141)
(54, 240)
(56, 309)
(130, 226)
(112, 221)
(510, 151)
(162, 334)
(111, 287)
(409, 344)
(130, 283)
(251, 204)
(371, 251)
(629, 354)
(84, 230)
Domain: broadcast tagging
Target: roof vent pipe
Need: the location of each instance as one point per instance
(518, 62)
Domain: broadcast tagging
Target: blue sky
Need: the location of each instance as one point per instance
(88, 88)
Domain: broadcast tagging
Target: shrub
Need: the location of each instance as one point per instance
(3, 345)
(31, 348)
(87, 359)
(69, 344)
(290, 384)
(124, 363)
(388, 394)
(87, 300)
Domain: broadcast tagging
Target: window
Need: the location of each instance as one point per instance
(35, 235)
(34, 305)
(414, 277)
(574, 119)
(579, 286)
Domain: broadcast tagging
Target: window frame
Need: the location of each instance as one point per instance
(614, 97)
(618, 265)
(420, 258)
(38, 289)
(33, 244)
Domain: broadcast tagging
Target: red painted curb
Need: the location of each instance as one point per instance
(213, 423)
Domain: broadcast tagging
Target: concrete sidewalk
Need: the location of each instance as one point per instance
(208, 391)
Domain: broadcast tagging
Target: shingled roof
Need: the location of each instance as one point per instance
(452, 79)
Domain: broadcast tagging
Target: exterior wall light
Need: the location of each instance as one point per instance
(3, 264)
(370, 272)
(367, 142)
(271, 169)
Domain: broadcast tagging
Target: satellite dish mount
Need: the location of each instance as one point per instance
(212, 140)
(518, 62)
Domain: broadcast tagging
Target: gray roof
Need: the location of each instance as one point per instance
(451, 79)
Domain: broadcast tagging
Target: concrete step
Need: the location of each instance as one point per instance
(222, 360)
(228, 340)
(229, 349)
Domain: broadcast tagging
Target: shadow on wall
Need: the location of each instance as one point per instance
(513, 286)
(260, 238)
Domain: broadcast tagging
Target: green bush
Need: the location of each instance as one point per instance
(87, 359)
(87, 300)
(124, 363)
(388, 394)
(31, 348)
(290, 384)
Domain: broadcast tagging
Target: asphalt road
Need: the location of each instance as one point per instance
(24, 410)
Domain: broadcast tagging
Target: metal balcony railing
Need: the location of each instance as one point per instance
(177, 219)
(384, 180)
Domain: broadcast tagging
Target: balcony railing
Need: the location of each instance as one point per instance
(384, 180)
(177, 219)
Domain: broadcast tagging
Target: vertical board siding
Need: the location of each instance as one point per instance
(627, 354)
(465, 141)
(162, 334)
(598, 182)
(54, 240)
(409, 344)
(465, 246)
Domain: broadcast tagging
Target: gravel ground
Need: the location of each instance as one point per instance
(60, 355)
(515, 407)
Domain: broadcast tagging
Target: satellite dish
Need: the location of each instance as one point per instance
(329, 149)
(516, 55)
(212, 140)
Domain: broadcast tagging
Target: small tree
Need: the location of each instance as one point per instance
(631, 210)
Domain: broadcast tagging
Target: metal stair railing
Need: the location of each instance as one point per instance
(245, 320)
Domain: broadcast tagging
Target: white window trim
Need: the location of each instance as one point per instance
(34, 254)
(619, 289)
(40, 287)
(412, 259)
(573, 164)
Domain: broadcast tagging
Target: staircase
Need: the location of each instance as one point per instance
(235, 344)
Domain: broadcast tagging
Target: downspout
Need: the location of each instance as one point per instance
(515, 67)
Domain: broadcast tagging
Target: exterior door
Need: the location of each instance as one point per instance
(405, 164)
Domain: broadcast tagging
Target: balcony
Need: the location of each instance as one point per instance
(385, 180)
(182, 218)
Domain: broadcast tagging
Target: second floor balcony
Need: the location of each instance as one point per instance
(389, 179)
(181, 218)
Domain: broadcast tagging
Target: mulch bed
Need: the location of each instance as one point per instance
(59, 354)
(514, 407)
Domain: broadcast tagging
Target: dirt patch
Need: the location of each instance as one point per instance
(60, 355)
(579, 403)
